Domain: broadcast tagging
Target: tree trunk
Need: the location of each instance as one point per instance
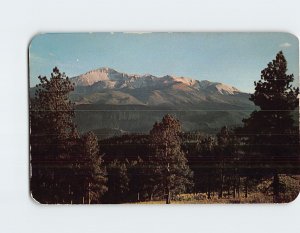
(221, 186)
(238, 186)
(208, 192)
(168, 197)
(89, 193)
(167, 190)
(70, 195)
(275, 187)
(228, 190)
(246, 187)
(234, 185)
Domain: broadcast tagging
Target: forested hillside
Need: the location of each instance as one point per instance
(138, 153)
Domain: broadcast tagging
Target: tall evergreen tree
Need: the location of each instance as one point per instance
(228, 160)
(118, 182)
(192, 143)
(137, 179)
(271, 131)
(92, 170)
(171, 173)
(208, 165)
(52, 135)
(223, 138)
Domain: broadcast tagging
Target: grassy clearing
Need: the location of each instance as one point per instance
(252, 198)
(261, 194)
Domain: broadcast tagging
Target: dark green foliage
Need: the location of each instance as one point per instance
(229, 161)
(52, 136)
(171, 174)
(92, 169)
(138, 178)
(64, 168)
(129, 147)
(207, 172)
(132, 150)
(52, 108)
(271, 132)
(272, 128)
(118, 182)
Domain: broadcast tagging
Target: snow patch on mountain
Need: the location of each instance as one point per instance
(226, 89)
(107, 78)
(187, 81)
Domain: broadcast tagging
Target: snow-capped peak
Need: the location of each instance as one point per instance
(186, 81)
(107, 78)
(221, 88)
(226, 89)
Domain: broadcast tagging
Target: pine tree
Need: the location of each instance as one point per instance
(171, 173)
(137, 177)
(52, 135)
(118, 182)
(208, 164)
(92, 169)
(228, 160)
(271, 130)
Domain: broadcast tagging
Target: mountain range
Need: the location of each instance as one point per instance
(111, 102)
(107, 86)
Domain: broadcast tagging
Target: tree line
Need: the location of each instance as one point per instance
(67, 167)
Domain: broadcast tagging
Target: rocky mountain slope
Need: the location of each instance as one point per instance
(107, 86)
(110, 102)
(106, 98)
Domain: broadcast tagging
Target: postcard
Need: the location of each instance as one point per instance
(164, 118)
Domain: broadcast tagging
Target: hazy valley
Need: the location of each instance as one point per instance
(106, 99)
(111, 103)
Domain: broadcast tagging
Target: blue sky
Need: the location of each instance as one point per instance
(231, 58)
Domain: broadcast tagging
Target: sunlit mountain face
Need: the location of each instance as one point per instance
(111, 102)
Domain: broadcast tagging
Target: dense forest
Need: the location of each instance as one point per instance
(256, 162)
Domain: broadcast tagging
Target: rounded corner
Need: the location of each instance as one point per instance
(34, 37)
(293, 200)
(34, 200)
(293, 36)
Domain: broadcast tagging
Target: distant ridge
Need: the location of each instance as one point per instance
(110, 102)
(108, 78)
